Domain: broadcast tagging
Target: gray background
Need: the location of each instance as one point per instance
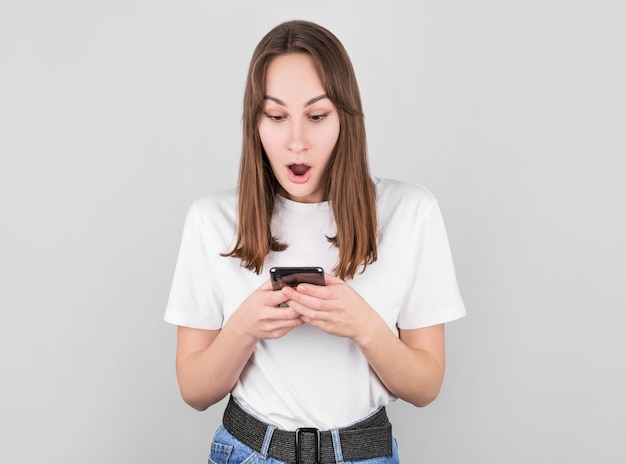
(115, 115)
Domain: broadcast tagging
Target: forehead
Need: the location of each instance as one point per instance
(293, 77)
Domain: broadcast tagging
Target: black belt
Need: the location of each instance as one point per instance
(366, 439)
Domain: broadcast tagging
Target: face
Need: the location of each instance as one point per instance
(299, 127)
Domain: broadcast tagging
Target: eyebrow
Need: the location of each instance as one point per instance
(309, 103)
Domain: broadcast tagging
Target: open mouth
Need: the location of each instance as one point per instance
(299, 169)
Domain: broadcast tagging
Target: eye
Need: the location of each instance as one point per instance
(318, 117)
(274, 117)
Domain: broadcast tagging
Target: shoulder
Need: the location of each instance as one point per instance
(405, 197)
(211, 220)
(215, 215)
(220, 203)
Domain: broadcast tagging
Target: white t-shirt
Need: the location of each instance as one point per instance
(309, 378)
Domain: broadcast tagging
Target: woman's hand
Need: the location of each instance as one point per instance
(209, 362)
(260, 316)
(335, 308)
(411, 366)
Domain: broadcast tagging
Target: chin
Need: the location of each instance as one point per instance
(304, 197)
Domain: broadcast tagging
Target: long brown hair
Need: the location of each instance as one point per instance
(347, 181)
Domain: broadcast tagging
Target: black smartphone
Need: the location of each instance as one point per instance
(292, 276)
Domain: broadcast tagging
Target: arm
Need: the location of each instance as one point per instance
(209, 362)
(411, 366)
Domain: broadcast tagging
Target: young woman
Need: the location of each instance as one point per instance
(310, 369)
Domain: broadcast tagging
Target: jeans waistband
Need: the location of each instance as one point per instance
(365, 439)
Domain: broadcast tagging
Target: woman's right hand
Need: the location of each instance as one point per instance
(260, 316)
(209, 362)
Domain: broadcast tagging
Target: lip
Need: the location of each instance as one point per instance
(304, 178)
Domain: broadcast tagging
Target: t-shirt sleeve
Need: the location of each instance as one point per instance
(195, 299)
(433, 295)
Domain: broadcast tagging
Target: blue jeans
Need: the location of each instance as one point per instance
(226, 449)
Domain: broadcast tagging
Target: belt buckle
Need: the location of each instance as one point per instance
(316, 434)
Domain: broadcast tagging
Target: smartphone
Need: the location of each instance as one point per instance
(292, 276)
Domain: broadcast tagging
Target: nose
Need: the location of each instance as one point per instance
(297, 138)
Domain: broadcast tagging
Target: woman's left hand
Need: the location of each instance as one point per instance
(410, 365)
(335, 308)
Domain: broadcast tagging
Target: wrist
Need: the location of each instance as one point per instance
(237, 330)
(371, 331)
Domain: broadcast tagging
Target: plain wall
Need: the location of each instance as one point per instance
(116, 115)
